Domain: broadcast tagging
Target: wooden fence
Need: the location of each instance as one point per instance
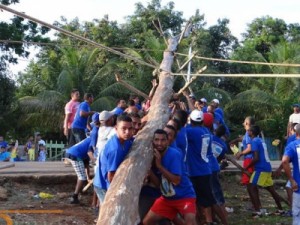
(55, 150)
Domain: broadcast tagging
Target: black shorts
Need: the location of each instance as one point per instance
(203, 189)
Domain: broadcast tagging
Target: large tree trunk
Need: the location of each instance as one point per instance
(121, 200)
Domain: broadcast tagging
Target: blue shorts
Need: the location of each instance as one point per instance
(217, 189)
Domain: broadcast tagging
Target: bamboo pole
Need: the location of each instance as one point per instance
(131, 88)
(76, 36)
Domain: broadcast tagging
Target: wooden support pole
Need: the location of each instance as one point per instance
(187, 62)
(121, 200)
(186, 86)
(129, 87)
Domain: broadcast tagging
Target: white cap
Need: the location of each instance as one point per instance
(196, 115)
(105, 115)
(216, 101)
(203, 100)
(42, 142)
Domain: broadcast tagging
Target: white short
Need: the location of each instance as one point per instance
(79, 169)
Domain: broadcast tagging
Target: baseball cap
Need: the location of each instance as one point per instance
(296, 105)
(192, 96)
(196, 115)
(208, 119)
(216, 101)
(42, 142)
(297, 128)
(95, 117)
(105, 115)
(203, 100)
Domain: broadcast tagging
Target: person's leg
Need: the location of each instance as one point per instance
(219, 208)
(275, 196)
(152, 218)
(81, 179)
(190, 219)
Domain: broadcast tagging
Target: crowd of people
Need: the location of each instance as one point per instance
(33, 150)
(182, 184)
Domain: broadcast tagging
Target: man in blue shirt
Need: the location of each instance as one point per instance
(262, 175)
(199, 143)
(4, 155)
(81, 118)
(292, 154)
(78, 156)
(178, 195)
(114, 152)
(121, 106)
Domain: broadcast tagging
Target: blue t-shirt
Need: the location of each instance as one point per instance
(80, 150)
(199, 141)
(290, 139)
(80, 122)
(173, 162)
(219, 111)
(181, 141)
(3, 144)
(138, 106)
(219, 147)
(263, 164)
(99, 180)
(4, 156)
(293, 152)
(94, 138)
(113, 155)
(245, 142)
(118, 111)
(204, 109)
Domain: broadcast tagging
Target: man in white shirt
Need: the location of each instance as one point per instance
(294, 118)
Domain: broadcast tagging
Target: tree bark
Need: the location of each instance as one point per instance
(120, 206)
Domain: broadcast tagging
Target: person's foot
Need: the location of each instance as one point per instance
(74, 200)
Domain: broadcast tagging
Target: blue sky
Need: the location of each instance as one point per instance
(239, 12)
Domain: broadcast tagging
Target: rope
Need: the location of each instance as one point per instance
(240, 75)
(78, 37)
(60, 44)
(243, 62)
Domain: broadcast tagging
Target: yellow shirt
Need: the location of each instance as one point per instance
(31, 154)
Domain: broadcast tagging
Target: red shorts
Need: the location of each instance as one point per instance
(170, 208)
(245, 178)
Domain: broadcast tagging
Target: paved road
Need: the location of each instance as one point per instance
(48, 168)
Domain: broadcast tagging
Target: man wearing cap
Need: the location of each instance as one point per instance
(294, 118)
(70, 111)
(81, 118)
(199, 142)
(106, 131)
(218, 110)
(292, 154)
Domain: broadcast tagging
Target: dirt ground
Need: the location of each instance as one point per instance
(22, 197)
